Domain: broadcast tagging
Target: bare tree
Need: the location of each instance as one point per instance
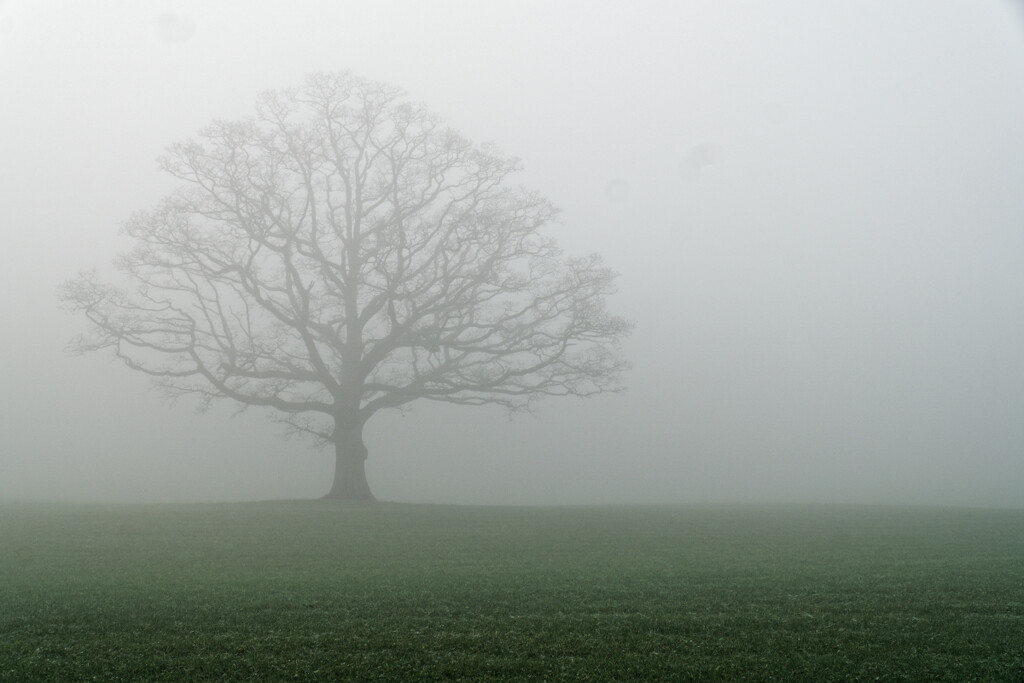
(342, 252)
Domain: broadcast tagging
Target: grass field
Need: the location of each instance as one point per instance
(317, 591)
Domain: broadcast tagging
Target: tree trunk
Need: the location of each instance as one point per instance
(350, 470)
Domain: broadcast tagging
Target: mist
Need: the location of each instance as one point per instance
(816, 211)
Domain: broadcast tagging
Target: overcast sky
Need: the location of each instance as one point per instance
(817, 211)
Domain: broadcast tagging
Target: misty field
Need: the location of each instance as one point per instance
(315, 591)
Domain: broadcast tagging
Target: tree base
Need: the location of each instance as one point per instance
(344, 498)
(350, 483)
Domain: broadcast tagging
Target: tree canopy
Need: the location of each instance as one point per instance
(343, 251)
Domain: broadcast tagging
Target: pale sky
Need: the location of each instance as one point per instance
(817, 211)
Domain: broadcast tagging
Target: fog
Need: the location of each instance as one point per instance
(817, 211)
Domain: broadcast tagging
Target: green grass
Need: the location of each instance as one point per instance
(315, 591)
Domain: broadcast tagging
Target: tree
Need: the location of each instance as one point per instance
(342, 252)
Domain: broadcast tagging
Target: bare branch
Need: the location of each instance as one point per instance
(343, 252)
